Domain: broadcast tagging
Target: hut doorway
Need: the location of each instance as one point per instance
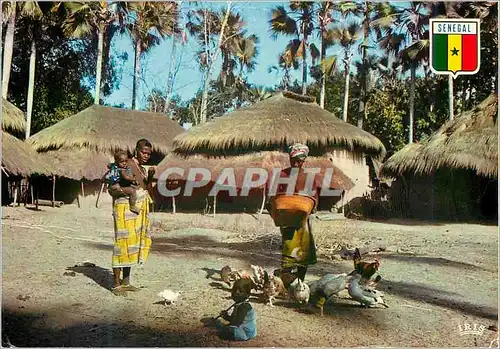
(489, 199)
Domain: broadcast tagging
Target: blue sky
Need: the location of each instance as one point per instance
(155, 65)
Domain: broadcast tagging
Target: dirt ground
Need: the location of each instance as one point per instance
(435, 277)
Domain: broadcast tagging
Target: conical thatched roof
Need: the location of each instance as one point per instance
(106, 129)
(20, 159)
(267, 160)
(469, 141)
(12, 117)
(273, 124)
(77, 163)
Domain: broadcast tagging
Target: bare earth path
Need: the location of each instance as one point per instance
(435, 277)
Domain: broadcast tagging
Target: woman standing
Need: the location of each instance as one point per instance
(132, 236)
(299, 250)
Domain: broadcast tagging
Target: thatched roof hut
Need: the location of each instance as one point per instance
(12, 117)
(78, 163)
(275, 123)
(106, 129)
(20, 159)
(470, 141)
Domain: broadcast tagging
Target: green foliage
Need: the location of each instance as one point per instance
(385, 119)
(60, 68)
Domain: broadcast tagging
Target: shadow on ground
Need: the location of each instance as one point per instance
(263, 252)
(30, 330)
(426, 294)
(434, 261)
(101, 276)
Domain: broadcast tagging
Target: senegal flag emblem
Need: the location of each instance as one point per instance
(455, 46)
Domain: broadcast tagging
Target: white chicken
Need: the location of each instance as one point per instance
(365, 296)
(324, 289)
(169, 296)
(300, 291)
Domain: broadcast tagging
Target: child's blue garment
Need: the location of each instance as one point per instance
(242, 323)
(114, 175)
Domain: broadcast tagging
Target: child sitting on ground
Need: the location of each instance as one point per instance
(121, 180)
(242, 321)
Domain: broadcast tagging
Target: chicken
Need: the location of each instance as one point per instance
(257, 275)
(273, 287)
(169, 296)
(324, 289)
(225, 275)
(366, 269)
(299, 290)
(367, 297)
(287, 278)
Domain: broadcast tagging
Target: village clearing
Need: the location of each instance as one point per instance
(435, 277)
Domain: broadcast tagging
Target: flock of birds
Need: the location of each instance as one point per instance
(360, 284)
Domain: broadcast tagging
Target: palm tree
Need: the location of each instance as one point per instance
(405, 34)
(286, 62)
(88, 19)
(233, 32)
(298, 22)
(31, 10)
(150, 22)
(204, 24)
(368, 11)
(347, 37)
(390, 68)
(324, 19)
(258, 93)
(181, 37)
(9, 10)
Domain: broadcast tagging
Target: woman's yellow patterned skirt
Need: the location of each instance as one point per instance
(132, 236)
(298, 247)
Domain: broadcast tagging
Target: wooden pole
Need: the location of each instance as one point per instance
(173, 205)
(15, 194)
(263, 201)
(342, 202)
(215, 203)
(99, 195)
(31, 192)
(37, 194)
(25, 191)
(53, 190)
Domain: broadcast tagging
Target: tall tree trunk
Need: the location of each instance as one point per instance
(450, 97)
(323, 73)
(137, 73)
(170, 80)
(347, 62)
(464, 97)
(364, 74)
(304, 65)
(206, 85)
(8, 49)
(98, 74)
(31, 87)
(412, 102)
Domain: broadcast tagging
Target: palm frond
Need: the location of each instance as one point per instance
(281, 23)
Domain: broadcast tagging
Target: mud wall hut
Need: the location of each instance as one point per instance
(271, 126)
(80, 147)
(267, 160)
(451, 175)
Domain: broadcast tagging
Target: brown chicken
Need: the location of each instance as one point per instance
(225, 275)
(366, 269)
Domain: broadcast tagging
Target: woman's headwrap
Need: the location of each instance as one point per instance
(298, 151)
